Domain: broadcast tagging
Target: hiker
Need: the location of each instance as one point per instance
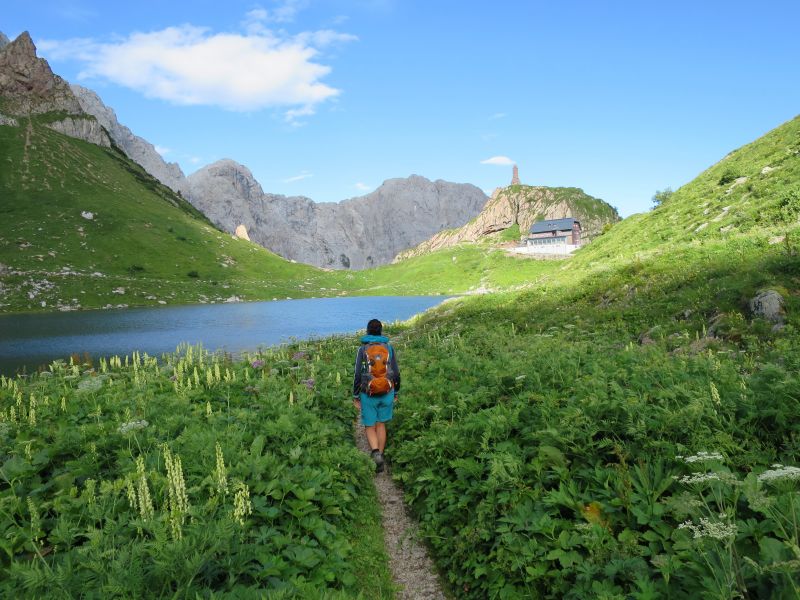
(376, 384)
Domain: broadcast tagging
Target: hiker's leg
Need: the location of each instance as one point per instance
(372, 436)
(380, 435)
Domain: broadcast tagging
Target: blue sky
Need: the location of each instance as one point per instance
(328, 98)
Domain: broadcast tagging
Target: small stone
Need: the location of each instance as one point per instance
(89, 216)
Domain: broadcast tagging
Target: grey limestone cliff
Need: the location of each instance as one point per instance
(353, 234)
(137, 149)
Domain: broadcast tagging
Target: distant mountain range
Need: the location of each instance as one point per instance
(353, 234)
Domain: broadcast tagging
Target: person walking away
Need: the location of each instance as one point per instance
(376, 385)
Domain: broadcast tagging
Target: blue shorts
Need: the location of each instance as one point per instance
(376, 409)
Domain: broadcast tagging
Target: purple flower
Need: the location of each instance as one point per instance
(298, 355)
(309, 383)
(257, 364)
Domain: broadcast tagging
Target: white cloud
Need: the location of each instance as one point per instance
(303, 175)
(499, 115)
(162, 150)
(362, 187)
(195, 160)
(190, 65)
(498, 160)
(292, 116)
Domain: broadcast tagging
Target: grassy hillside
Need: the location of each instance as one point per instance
(627, 428)
(142, 238)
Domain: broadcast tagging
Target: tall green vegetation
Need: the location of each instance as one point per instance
(627, 427)
(187, 477)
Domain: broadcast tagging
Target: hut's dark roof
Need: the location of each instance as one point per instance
(554, 225)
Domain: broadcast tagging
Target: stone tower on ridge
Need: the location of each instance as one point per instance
(515, 177)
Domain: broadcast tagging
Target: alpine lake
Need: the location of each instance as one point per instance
(31, 341)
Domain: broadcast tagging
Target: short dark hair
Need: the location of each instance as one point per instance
(374, 327)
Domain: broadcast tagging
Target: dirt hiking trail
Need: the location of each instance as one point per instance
(411, 567)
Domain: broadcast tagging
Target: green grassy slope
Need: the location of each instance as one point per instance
(143, 237)
(543, 435)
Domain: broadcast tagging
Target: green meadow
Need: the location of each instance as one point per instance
(619, 425)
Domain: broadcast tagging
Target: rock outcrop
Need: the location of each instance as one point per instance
(27, 84)
(241, 233)
(353, 234)
(29, 87)
(4, 41)
(524, 205)
(137, 149)
(83, 129)
(769, 305)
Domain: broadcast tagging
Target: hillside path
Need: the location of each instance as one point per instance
(411, 567)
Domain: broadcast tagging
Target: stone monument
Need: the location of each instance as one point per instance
(515, 177)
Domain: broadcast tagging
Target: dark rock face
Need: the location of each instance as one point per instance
(28, 86)
(27, 83)
(354, 234)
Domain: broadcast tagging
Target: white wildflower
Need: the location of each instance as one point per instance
(696, 478)
(779, 473)
(701, 456)
(716, 530)
(132, 426)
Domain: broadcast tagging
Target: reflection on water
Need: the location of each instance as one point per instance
(27, 341)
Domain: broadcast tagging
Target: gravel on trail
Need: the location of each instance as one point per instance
(411, 567)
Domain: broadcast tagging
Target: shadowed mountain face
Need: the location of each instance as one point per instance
(354, 234)
(137, 149)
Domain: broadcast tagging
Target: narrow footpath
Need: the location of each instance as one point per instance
(411, 567)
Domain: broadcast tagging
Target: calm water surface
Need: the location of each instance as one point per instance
(27, 341)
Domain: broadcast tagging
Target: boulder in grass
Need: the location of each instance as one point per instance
(769, 305)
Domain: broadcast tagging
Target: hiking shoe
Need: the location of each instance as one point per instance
(377, 456)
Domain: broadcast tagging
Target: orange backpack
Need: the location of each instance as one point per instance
(376, 370)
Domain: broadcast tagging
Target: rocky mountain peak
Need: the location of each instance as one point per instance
(358, 233)
(231, 174)
(28, 84)
(4, 41)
